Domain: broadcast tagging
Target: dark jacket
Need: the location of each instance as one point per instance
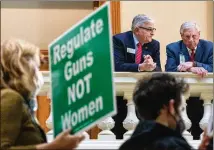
(18, 129)
(124, 60)
(210, 146)
(150, 135)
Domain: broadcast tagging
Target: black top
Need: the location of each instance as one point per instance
(150, 135)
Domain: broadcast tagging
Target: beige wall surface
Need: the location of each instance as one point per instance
(40, 22)
(168, 16)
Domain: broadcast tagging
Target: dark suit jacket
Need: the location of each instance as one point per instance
(125, 61)
(18, 131)
(203, 55)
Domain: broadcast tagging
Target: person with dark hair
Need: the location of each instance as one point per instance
(159, 101)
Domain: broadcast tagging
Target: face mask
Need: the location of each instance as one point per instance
(39, 83)
(180, 126)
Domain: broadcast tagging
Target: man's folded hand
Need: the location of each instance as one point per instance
(186, 66)
(199, 71)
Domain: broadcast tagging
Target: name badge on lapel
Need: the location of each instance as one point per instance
(130, 50)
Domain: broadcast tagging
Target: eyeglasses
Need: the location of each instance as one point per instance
(148, 29)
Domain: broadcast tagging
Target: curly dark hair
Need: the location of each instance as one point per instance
(153, 92)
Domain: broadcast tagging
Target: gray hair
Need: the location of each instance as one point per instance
(140, 19)
(189, 25)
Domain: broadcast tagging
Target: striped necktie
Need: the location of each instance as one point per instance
(138, 55)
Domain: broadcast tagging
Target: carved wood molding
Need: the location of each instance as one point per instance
(44, 65)
(97, 4)
(115, 15)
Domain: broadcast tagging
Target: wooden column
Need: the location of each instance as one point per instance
(115, 15)
(45, 63)
(43, 111)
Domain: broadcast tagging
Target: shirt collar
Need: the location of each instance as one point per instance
(190, 51)
(135, 40)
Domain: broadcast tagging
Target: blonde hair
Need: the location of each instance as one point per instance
(19, 61)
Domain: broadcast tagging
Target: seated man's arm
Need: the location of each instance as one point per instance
(119, 57)
(171, 65)
(209, 65)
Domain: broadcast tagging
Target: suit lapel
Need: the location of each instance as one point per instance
(199, 52)
(129, 41)
(185, 52)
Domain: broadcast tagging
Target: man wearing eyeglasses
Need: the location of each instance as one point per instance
(191, 54)
(136, 51)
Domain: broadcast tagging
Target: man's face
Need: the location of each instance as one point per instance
(190, 38)
(145, 32)
(173, 121)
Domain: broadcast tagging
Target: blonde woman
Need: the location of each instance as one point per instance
(20, 81)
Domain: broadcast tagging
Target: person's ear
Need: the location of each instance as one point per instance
(171, 106)
(136, 30)
(181, 36)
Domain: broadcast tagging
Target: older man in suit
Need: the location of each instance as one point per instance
(191, 54)
(136, 51)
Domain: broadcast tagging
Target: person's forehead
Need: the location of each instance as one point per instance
(190, 31)
(148, 24)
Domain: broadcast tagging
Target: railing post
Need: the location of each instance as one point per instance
(131, 119)
(187, 121)
(106, 125)
(207, 98)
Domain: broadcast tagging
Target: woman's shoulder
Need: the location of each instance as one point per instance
(10, 95)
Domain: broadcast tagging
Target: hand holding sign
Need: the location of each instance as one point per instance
(76, 65)
(63, 141)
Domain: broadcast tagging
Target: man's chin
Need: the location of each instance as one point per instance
(191, 47)
(148, 41)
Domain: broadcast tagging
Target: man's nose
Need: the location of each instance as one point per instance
(191, 39)
(152, 33)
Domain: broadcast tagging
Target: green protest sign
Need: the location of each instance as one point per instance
(81, 68)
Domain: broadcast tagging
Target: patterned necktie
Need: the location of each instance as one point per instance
(138, 55)
(192, 55)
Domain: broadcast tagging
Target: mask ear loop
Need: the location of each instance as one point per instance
(179, 123)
